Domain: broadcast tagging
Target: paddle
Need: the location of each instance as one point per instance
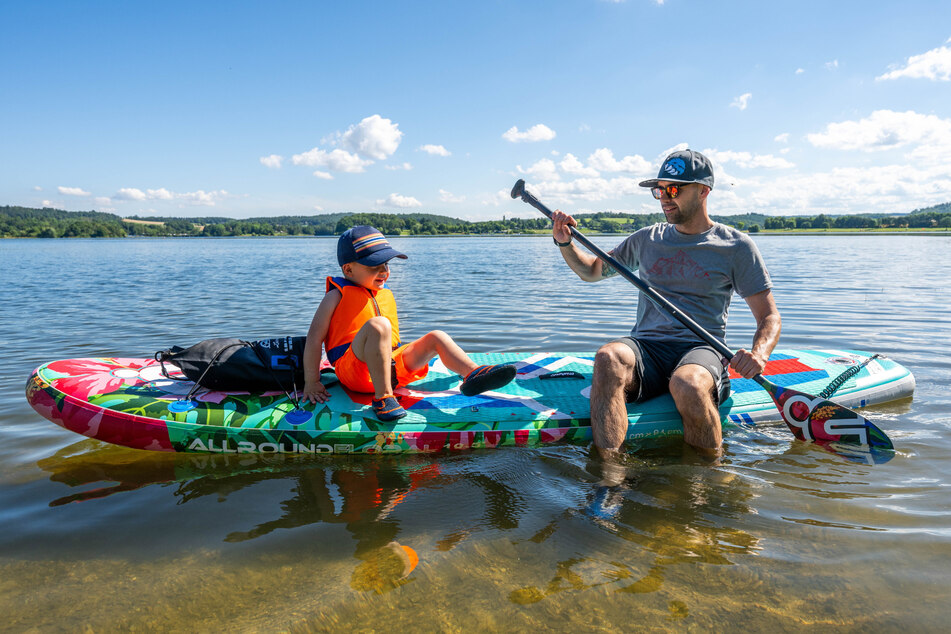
(810, 418)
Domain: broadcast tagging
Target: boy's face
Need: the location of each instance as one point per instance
(372, 277)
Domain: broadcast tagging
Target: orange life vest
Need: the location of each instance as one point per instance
(356, 307)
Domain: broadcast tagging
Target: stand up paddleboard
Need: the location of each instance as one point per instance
(128, 402)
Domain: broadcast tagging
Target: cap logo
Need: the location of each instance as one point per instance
(369, 241)
(675, 166)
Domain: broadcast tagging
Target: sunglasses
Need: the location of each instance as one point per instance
(672, 191)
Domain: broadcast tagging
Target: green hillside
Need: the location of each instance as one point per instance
(25, 222)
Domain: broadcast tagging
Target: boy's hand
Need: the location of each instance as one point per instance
(316, 392)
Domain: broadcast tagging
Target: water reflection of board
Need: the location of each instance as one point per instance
(127, 402)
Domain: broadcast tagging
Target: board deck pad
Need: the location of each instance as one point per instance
(128, 402)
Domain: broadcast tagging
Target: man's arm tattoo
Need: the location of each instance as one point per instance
(607, 270)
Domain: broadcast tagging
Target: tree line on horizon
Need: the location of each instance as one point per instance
(24, 222)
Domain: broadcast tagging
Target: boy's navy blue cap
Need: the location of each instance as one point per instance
(685, 166)
(365, 245)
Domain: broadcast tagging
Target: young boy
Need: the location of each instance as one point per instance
(356, 322)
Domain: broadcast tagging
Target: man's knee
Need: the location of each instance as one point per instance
(692, 383)
(614, 360)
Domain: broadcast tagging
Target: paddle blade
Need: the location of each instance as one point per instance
(815, 419)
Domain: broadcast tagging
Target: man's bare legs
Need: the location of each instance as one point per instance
(613, 379)
(692, 387)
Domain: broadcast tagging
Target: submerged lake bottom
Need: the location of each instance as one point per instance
(778, 535)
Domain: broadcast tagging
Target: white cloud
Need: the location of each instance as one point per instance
(335, 160)
(842, 190)
(539, 132)
(396, 200)
(206, 198)
(374, 137)
(748, 160)
(891, 162)
(587, 189)
(72, 191)
(273, 161)
(934, 65)
(571, 165)
(200, 197)
(742, 101)
(130, 193)
(584, 181)
(544, 169)
(447, 197)
(436, 150)
(401, 166)
(886, 130)
(914, 170)
(603, 160)
(800, 71)
(159, 194)
(832, 65)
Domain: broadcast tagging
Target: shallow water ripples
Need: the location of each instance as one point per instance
(779, 535)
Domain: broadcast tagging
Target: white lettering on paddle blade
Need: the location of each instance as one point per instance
(848, 427)
(802, 424)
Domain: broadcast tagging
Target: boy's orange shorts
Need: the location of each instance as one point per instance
(354, 375)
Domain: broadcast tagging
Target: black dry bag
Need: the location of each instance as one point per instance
(236, 365)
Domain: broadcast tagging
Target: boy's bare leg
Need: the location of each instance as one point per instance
(373, 344)
(613, 378)
(419, 352)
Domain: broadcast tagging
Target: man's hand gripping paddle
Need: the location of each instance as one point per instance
(810, 418)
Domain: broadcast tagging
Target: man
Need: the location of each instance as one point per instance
(696, 264)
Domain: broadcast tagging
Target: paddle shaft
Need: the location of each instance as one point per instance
(625, 272)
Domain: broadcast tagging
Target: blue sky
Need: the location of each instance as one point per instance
(244, 109)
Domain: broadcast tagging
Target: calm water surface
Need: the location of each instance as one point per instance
(779, 536)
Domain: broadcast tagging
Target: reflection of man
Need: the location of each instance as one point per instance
(696, 264)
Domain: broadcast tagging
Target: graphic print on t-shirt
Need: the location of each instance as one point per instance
(681, 266)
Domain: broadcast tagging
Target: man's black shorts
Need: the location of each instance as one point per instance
(657, 360)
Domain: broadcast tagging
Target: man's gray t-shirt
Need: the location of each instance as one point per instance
(696, 273)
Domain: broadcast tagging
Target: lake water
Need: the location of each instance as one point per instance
(779, 536)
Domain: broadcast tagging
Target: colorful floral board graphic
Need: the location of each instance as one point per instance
(129, 402)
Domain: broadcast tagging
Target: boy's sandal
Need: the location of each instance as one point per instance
(388, 408)
(487, 377)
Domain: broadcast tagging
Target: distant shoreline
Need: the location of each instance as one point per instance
(596, 234)
(56, 223)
